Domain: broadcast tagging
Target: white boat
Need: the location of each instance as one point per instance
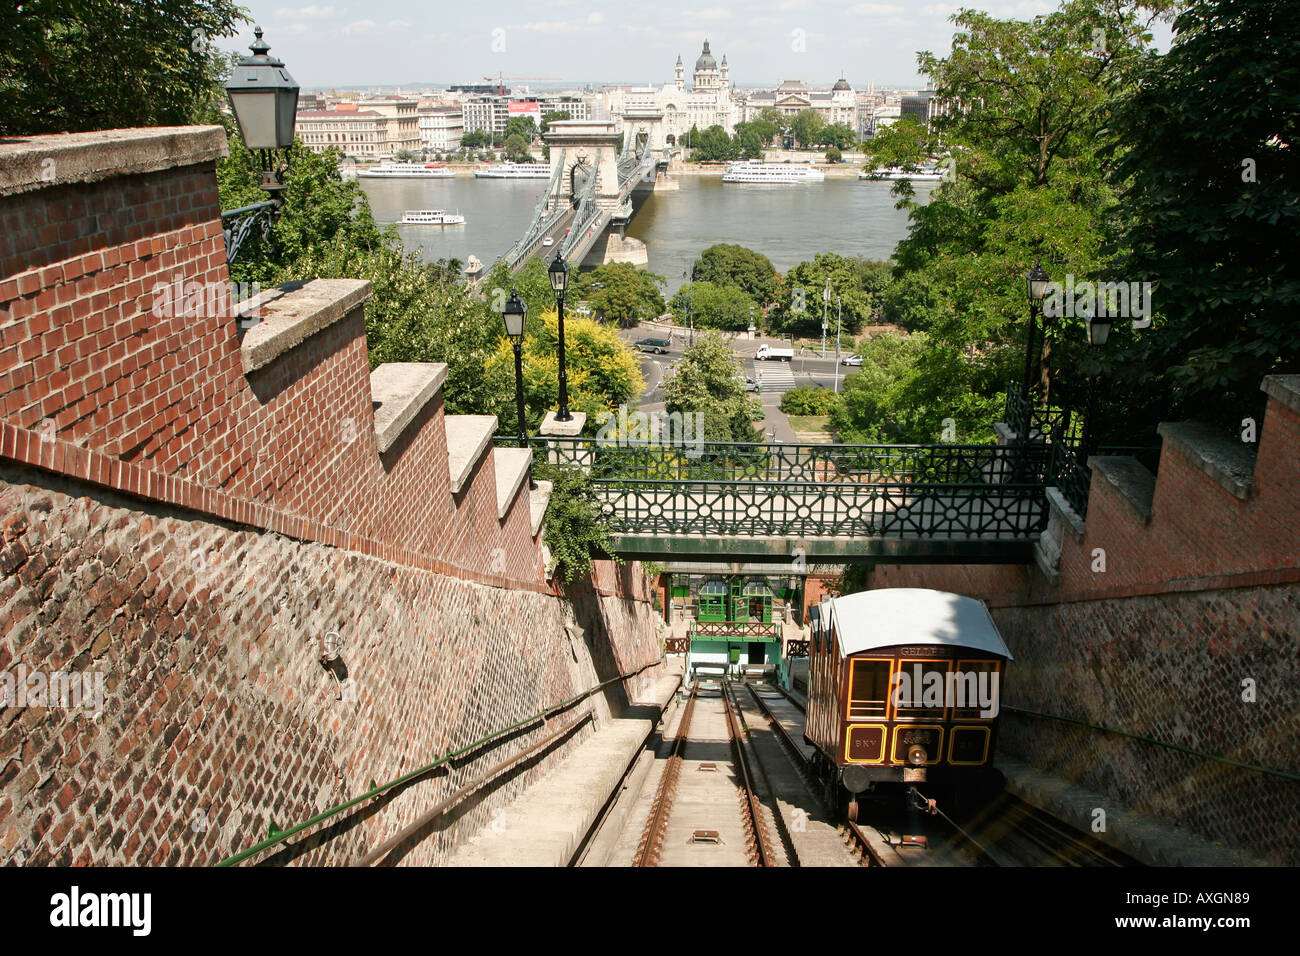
(894, 173)
(753, 171)
(431, 217)
(509, 170)
(392, 170)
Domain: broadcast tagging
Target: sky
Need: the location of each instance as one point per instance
(391, 42)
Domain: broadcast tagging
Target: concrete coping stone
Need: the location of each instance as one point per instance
(539, 498)
(28, 163)
(511, 467)
(1284, 389)
(468, 437)
(400, 391)
(1225, 460)
(1130, 478)
(293, 312)
(1061, 505)
(550, 428)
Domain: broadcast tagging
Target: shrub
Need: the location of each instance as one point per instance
(807, 400)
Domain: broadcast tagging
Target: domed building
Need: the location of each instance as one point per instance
(839, 104)
(708, 101)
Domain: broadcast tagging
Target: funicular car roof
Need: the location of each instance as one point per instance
(892, 617)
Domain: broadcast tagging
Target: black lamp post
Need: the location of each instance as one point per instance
(1099, 326)
(559, 273)
(1036, 287)
(264, 98)
(514, 312)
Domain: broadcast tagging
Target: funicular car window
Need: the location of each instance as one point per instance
(869, 689)
(919, 696)
(973, 685)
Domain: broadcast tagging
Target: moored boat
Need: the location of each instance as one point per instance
(431, 217)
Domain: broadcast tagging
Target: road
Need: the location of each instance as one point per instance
(809, 369)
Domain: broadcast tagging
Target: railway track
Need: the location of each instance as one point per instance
(706, 769)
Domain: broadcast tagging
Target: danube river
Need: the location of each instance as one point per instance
(787, 223)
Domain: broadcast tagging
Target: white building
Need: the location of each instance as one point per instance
(839, 104)
(441, 128)
(709, 101)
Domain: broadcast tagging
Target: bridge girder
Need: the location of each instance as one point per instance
(840, 550)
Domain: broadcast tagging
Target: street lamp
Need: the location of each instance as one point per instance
(839, 321)
(264, 99)
(514, 312)
(1036, 287)
(1099, 325)
(559, 273)
(826, 305)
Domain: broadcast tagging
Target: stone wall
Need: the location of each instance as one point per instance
(1160, 616)
(189, 507)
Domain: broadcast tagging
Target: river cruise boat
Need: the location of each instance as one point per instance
(393, 170)
(752, 171)
(508, 170)
(894, 173)
(431, 217)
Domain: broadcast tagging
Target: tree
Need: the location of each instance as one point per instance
(715, 145)
(709, 381)
(75, 65)
(833, 155)
(1214, 219)
(620, 292)
(521, 126)
(799, 307)
(517, 149)
(727, 264)
(714, 306)
(554, 116)
(807, 124)
(836, 134)
(475, 139)
(1028, 186)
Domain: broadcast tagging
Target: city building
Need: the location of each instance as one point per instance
(709, 101)
(839, 104)
(485, 113)
(361, 134)
(403, 129)
(441, 127)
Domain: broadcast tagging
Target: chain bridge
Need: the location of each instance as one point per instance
(590, 191)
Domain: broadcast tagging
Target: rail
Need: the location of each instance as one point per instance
(279, 836)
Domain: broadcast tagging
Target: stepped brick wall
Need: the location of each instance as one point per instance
(1200, 592)
(186, 512)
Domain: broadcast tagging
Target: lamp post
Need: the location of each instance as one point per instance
(264, 99)
(559, 273)
(513, 313)
(1099, 326)
(839, 321)
(826, 305)
(1036, 287)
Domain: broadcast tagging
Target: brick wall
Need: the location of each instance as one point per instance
(219, 719)
(186, 512)
(1200, 592)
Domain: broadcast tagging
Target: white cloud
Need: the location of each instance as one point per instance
(399, 24)
(876, 9)
(710, 13)
(311, 11)
(595, 17)
(546, 26)
(359, 26)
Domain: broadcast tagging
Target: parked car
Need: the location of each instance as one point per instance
(660, 346)
(851, 360)
(749, 383)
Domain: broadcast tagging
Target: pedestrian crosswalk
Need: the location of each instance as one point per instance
(775, 376)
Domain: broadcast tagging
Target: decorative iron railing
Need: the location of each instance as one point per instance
(796, 648)
(702, 629)
(1050, 424)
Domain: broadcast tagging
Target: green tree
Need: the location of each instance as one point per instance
(75, 65)
(521, 126)
(836, 134)
(714, 306)
(709, 381)
(833, 155)
(516, 149)
(799, 307)
(575, 531)
(620, 292)
(475, 139)
(728, 264)
(807, 124)
(1205, 151)
(714, 145)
